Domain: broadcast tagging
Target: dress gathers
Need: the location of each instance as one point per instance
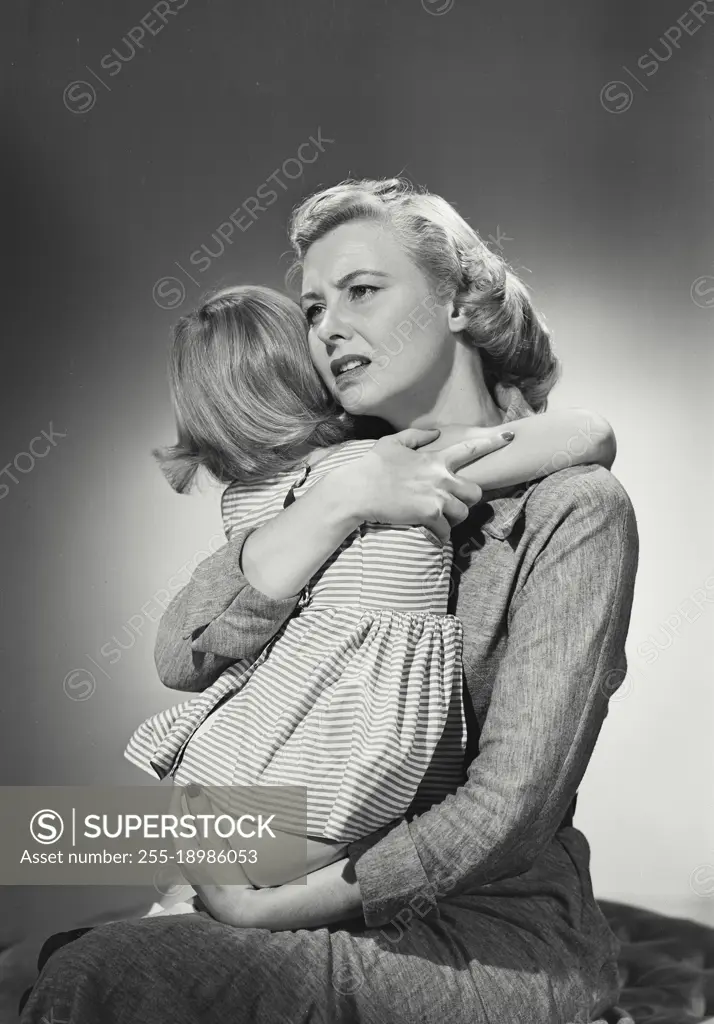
(358, 698)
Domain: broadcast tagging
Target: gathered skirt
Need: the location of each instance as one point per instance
(362, 707)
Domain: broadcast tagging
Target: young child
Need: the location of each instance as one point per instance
(359, 695)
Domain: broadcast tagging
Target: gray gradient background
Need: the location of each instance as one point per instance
(498, 107)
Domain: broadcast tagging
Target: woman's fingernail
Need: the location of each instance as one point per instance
(508, 435)
(193, 790)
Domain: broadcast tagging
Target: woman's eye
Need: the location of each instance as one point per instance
(312, 313)
(361, 291)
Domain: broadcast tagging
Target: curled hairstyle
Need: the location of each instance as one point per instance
(511, 337)
(247, 400)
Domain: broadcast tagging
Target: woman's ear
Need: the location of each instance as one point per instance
(456, 318)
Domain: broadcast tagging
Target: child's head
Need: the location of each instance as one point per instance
(247, 400)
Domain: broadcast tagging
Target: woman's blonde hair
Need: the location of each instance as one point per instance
(511, 337)
(247, 400)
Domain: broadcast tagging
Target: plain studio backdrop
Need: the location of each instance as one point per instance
(576, 137)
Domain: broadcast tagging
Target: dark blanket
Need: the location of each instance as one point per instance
(666, 966)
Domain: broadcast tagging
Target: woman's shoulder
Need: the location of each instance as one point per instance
(583, 485)
(579, 500)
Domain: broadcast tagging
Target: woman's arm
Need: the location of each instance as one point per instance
(542, 444)
(216, 619)
(564, 657)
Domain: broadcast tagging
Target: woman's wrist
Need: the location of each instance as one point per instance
(331, 895)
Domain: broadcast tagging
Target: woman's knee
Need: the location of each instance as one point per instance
(96, 951)
(121, 957)
(109, 950)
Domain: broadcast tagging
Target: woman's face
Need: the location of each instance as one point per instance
(382, 336)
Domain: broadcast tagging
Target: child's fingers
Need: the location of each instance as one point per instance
(461, 454)
(416, 437)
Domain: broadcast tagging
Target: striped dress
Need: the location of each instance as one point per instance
(358, 697)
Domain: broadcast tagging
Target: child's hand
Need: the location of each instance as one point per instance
(460, 446)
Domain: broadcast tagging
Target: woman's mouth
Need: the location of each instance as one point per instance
(347, 369)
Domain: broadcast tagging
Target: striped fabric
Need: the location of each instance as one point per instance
(358, 697)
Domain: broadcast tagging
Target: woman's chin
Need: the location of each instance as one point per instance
(358, 399)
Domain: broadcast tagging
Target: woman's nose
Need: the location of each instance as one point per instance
(331, 329)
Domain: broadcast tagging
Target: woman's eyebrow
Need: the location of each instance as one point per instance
(345, 280)
(356, 273)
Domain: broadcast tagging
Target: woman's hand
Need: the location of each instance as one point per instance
(330, 895)
(399, 484)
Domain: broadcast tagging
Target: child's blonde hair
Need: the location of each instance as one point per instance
(511, 337)
(247, 400)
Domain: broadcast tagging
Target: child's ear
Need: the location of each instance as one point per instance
(456, 318)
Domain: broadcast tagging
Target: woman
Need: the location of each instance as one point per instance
(481, 909)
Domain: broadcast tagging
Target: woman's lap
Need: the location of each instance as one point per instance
(471, 965)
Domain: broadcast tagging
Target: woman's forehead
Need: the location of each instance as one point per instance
(358, 245)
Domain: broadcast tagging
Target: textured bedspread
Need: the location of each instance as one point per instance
(666, 966)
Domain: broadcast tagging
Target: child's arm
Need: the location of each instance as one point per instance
(281, 556)
(390, 484)
(542, 445)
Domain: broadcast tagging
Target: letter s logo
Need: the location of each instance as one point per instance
(46, 826)
(702, 292)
